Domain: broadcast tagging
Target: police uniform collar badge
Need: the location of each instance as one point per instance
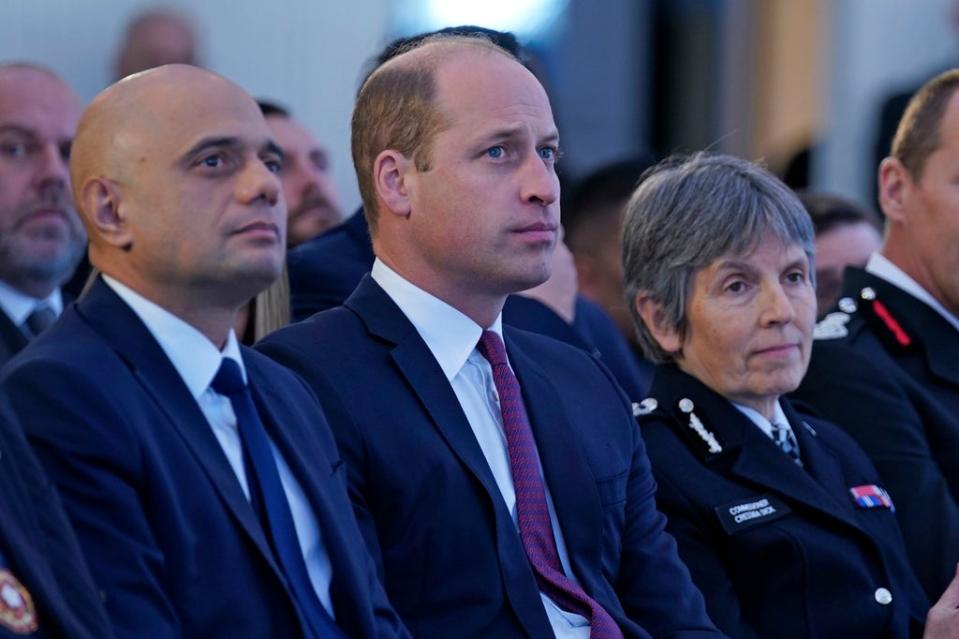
(871, 496)
(17, 613)
(833, 326)
(696, 425)
(645, 407)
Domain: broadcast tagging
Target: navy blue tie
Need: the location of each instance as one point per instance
(264, 478)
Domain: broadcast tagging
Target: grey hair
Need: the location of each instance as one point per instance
(689, 211)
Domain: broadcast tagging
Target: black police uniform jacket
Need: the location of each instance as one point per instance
(778, 550)
(887, 372)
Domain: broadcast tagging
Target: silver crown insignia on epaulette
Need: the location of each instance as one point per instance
(645, 407)
(833, 326)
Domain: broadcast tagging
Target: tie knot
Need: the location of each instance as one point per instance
(40, 319)
(229, 379)
(491, 347)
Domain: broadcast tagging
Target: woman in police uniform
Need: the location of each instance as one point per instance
(780, 517)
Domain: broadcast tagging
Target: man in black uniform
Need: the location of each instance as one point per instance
(886, 365)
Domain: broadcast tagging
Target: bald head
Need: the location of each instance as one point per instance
(117, 130)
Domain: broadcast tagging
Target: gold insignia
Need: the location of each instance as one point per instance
(17, 613)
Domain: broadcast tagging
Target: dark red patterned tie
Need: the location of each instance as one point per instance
(535, 528)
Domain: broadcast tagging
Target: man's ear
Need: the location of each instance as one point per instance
(100, 201)
(895, 186)
(653, 316)
(390, 171)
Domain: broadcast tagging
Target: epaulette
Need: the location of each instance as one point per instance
(879, 316)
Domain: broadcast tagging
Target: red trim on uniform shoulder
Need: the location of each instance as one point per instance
(883, 313)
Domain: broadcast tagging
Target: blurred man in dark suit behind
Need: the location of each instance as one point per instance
(41, 238)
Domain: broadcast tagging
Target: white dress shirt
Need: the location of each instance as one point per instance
(765, 425)
(452, 337)
(18, 305)
(882, 268)
(197, 360)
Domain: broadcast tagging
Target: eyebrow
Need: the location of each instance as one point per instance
(231, 142)
(16, 128)
(518, 131)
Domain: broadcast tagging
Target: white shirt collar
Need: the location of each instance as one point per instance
(195, 357)
(880, 266)
(18, 305)
(449, 334)
(779, 417)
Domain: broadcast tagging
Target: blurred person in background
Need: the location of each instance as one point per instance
(41, 237)
(847, 234)
(306, 178)
(158, 36)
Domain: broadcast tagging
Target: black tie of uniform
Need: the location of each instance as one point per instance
(263, 477)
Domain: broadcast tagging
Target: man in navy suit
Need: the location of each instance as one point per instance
(201, 478)
(504, 492)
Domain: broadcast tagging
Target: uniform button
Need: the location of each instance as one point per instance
(883, 596)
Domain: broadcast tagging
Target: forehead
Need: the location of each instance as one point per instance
(484, 88)
(290, 134)
(36, 101)
(177, 116)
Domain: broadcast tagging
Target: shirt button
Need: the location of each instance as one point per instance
(883, 596)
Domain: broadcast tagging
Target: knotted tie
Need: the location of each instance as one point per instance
(40, 320)
(785, 438)
(535, 527)
(264, 478)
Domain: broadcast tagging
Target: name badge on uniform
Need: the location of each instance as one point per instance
(746, 513)
(17, 613)
(871, 496)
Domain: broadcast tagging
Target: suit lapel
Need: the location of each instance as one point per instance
(567, 473)
(311, 467)
(120, 327)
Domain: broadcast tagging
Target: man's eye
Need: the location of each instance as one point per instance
(796, 277)
(14, 149)
(548, 153)
(496, 152)
(212, 161)
(274, 166)
(736, 287)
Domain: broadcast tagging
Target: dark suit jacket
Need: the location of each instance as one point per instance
(426, 499)
(167, 532)
(38, 546)
(810, 566)
(12, 339)
(901, 403)
(325, 270)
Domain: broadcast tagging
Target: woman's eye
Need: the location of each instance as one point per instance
(736, 287)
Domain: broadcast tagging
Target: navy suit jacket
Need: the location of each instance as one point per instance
(901, 403)
(38, 547)
(325, 270)
(428, 505)
(778, 550)
(168, 534)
